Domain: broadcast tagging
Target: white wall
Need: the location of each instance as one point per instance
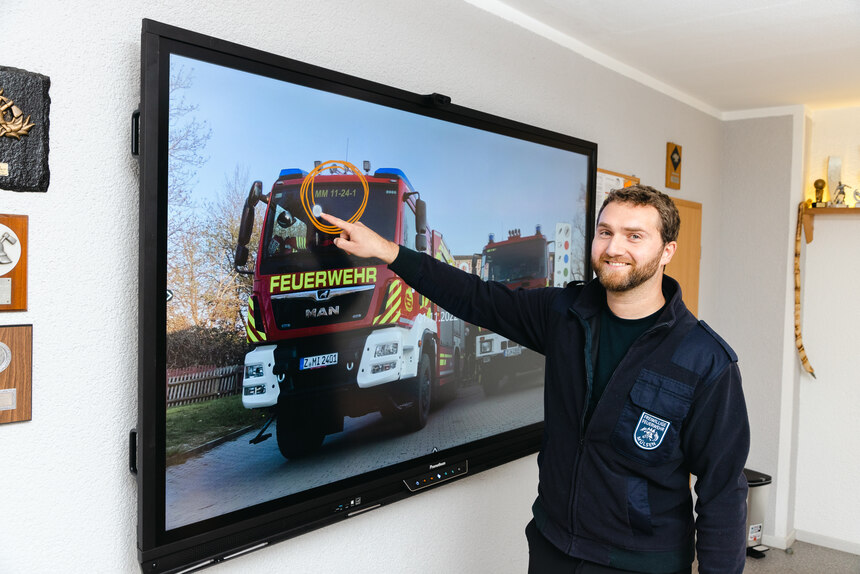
(829, 406)
(806, 432)
(66, 497)
(753, 264)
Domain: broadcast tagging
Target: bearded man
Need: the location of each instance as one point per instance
(639, 395)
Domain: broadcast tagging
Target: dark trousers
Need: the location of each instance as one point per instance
(545, 558)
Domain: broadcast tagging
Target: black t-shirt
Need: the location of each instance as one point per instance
(616, 336)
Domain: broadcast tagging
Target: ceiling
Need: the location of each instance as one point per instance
(721, 56)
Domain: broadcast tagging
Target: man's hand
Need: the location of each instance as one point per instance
(361, 241)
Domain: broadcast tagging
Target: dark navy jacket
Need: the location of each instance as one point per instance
(617, 492)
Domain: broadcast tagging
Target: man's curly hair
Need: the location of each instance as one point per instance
(670, 220)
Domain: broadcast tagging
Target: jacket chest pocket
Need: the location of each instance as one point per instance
(650, 423)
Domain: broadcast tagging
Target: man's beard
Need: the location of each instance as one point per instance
(619, 282)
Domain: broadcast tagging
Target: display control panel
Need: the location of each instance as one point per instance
(438, 473)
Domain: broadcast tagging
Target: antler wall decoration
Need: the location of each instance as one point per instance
(798, 338)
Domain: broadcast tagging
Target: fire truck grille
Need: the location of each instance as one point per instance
(322, 307)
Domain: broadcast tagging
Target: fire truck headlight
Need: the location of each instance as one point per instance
(385, 349)
(486, 345)
(255, 370)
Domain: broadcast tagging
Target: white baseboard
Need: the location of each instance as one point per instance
(781, 542)
(850, 546)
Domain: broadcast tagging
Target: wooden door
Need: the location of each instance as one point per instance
(684, 266)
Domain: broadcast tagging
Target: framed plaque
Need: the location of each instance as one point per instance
(13, 262)
(24, 122)
(16, 373)
(673, 165)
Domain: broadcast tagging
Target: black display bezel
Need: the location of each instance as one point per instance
(221, 537)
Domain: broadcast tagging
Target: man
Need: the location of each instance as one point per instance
(639, 395)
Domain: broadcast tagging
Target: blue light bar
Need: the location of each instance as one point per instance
(383, 171)
(294, 172)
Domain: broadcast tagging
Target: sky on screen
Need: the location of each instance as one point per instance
(474, 182)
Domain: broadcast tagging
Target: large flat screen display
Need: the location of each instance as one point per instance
(285, 385)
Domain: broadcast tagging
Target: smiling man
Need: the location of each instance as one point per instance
(629, 250)
(639, 395)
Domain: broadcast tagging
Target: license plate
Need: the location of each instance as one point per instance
(318, 362)
(513, 351)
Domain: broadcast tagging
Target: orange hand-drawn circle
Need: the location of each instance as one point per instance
(308, 201)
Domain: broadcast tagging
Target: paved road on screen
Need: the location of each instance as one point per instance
(236, 474)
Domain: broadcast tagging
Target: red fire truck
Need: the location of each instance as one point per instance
(518, 262)
(334, 335)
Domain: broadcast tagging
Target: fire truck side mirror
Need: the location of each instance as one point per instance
(421, 225)
(241, 256)
(420, 242)
(246, 224)
(256, 194)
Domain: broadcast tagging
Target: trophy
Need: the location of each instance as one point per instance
(819, 184)
(839, 196)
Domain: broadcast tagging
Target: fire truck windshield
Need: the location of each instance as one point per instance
(292, 243)
(525, 259)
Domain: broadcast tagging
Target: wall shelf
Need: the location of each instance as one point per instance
(809, 214)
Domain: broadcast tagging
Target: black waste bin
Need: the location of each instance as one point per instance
(756, 507)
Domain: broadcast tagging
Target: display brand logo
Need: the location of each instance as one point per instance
(322, 312)
(323, 294)
(437, 465)
(650, 431)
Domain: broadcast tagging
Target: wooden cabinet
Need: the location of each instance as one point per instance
(684, 266)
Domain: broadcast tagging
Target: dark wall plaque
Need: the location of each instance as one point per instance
(24, 111)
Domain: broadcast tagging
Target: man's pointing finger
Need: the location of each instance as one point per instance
(335, 220)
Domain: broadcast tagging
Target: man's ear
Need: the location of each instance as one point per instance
(668, 252)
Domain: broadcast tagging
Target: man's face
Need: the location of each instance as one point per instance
(628, 249)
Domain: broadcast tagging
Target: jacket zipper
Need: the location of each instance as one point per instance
(589, 377)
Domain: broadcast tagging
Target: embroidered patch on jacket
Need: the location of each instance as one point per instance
(650, 431)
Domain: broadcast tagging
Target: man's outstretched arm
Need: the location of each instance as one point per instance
(518, 315)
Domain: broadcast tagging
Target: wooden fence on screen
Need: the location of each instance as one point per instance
(198, 384)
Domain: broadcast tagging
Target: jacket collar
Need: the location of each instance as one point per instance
(592, 299)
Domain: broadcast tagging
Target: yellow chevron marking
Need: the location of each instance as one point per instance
(254, 335)
(395, 291)
(389, 313)
(393, 302)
